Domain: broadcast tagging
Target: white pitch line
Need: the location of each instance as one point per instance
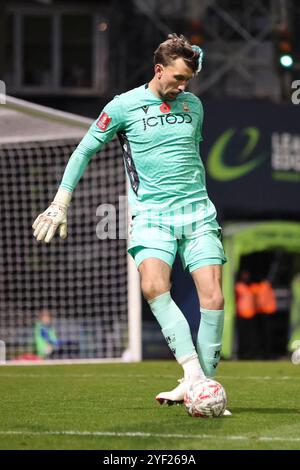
(144, 376)
(150, 435)
(100, 375)
(257, 377)
(47, 376)
(62, 362)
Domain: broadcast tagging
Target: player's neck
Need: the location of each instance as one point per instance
(152, 85)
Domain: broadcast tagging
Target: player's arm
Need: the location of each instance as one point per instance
(46, 336)
(54, 218)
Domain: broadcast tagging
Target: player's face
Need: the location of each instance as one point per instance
(173, 78)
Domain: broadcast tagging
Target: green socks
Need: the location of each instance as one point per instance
(209, 340)
(174, 326)
(176, 331)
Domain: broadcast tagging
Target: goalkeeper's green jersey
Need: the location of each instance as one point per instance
(160, 143)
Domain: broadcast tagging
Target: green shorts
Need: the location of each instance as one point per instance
(197, 244)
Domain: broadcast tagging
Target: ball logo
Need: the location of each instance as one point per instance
(103, 121)
(165, 108)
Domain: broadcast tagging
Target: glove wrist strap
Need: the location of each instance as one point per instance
(62, 198)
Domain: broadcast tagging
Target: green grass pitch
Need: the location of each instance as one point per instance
(112, 406)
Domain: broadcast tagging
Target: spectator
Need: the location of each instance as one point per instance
(266, 306)
(45, 339)
(245, 310)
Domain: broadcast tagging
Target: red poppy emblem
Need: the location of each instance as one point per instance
(103, 121)
(165, 108)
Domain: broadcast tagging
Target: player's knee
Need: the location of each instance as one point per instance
(152, 288)
(213, 299)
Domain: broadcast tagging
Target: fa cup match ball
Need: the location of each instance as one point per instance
(205, 398)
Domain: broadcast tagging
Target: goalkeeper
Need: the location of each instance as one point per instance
(159, 126)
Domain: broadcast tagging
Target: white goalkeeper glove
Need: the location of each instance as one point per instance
(55, 217)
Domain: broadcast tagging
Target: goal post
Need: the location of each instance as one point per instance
(134, 317)
(89, 286)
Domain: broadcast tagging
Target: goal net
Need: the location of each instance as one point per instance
(81, 293)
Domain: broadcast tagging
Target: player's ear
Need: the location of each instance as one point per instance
(158, 69)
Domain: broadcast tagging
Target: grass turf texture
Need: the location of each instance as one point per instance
(113, 407)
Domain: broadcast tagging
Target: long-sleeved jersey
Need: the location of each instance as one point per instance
(160, 143)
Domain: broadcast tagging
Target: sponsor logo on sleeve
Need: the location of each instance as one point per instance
(103, 121)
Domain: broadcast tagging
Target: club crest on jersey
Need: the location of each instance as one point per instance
(185, 106)
(103, 121)
(165, 108)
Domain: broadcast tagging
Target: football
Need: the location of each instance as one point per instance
(205, 398)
